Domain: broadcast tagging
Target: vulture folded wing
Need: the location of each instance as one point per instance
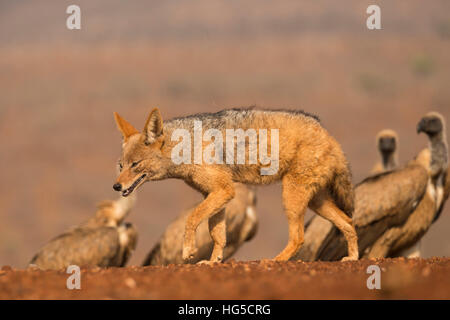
(81, 247)
(381, 202)
(391, 194)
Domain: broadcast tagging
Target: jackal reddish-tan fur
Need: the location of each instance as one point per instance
(312, 168)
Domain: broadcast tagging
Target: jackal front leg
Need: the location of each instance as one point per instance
(211, 207)
(218, 232)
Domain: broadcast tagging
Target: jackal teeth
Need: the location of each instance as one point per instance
(128, 191)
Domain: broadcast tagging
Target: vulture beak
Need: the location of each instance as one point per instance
(421, 126)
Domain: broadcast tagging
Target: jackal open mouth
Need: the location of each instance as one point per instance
(127, 192)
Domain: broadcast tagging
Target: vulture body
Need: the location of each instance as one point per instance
(103, 241)
(241, 225)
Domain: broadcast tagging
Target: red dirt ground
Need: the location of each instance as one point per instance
(400, 279)
(59, 143)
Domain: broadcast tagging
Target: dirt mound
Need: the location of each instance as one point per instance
(400, 279)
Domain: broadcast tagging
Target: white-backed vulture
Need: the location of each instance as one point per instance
(387, 145)
(393, 210)
(398, 239)
(104, 240)
(241, 225)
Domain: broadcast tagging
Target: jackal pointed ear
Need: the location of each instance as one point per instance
(153, 128)
(124, 127)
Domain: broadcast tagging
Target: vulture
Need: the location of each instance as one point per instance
(105, 240)
(393, 209)
(387, 145)
(241, 225)
(396, 240)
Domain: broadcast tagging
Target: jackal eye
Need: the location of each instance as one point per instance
(134, 164)
(120, 166)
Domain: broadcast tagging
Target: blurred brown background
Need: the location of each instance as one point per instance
(58, 89)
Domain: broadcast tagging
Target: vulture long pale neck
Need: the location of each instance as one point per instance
(439, 167)
(439, 153)
(390, 160)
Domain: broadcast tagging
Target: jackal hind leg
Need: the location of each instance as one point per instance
(295, 201)
(210, 207)
(323, 205)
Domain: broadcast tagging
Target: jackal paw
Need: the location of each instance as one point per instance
(189, 253)
(348, 258)
(208, 262)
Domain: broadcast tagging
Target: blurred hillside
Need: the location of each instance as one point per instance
(58, 89)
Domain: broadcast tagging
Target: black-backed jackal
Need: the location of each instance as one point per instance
(303, 156)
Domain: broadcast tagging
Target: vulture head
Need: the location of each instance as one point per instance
(432, 124)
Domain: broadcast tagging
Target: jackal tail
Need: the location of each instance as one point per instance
(341, 189)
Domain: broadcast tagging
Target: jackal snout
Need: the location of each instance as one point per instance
(129, 179)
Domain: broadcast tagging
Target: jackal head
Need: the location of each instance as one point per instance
(142, 159)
